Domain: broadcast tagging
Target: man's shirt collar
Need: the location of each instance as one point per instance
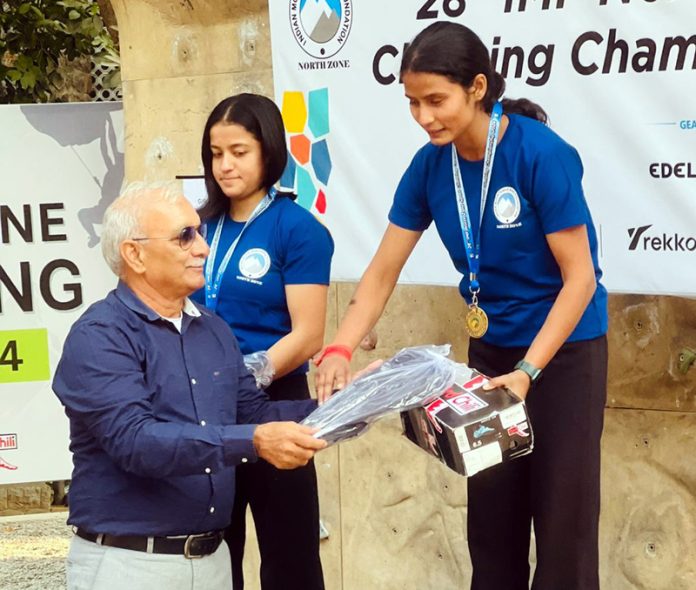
(191, 309)
(131, 300)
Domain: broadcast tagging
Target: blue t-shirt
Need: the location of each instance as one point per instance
(285, 245)
(535, 190)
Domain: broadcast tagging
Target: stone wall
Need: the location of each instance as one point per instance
(395, 517)
(25, 499)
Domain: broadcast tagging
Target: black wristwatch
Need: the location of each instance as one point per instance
(530, 370)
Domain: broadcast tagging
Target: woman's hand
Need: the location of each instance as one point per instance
(341, 375)
(366, 306)
(332, 373)
(518, 382)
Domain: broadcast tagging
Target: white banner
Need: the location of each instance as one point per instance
(617, 78)
(62, 164)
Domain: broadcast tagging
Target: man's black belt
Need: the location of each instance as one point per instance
(191, 546)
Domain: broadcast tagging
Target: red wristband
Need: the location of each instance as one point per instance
(339, 349)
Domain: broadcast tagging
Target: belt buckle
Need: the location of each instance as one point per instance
(187, 546)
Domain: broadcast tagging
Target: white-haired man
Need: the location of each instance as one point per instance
(161, 408)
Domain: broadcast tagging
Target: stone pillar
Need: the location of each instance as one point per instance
(179, 59)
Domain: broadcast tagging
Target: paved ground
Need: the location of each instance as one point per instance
(33, 550)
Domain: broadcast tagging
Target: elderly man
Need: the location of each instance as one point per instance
(161, 408)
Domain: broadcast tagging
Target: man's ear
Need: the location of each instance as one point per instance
(133, 256)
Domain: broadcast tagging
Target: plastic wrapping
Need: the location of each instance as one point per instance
(261, 367)
(411, 378)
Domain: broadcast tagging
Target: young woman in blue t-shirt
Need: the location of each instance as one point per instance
(267, 276)
(531, 281)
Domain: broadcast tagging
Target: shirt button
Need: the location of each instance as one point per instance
(212, 509)
(207, 469)
(244, 459)
(193, 381)
(202, 422)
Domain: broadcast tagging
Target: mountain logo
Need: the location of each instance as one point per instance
(321, 27)
(254, 263)
(506, 205)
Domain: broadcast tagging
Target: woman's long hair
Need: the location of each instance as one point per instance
(456, 52)
(260, 117)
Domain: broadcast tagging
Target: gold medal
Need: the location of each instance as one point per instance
(476, 321)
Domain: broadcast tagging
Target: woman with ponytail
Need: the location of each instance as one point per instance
(505, 193)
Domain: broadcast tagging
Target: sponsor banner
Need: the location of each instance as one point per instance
(614, 76)
(62, 166)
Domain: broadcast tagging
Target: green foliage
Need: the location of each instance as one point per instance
(36, 34)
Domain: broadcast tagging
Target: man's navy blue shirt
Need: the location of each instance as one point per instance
(158, 418)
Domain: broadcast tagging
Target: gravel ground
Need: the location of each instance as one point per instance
(33, 550)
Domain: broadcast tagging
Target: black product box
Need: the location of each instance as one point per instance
(470, 429)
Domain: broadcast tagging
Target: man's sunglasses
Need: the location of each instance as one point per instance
(186, 237)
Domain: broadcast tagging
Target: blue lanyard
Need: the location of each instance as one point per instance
(212, 288)
(473, 248)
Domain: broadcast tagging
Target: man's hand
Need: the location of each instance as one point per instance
(286, 445)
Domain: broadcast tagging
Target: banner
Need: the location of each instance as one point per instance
(62, 165)
(615, 76)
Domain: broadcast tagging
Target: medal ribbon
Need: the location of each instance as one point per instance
(212, 288)
(473, 247)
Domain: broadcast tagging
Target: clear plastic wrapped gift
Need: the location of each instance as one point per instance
(444, 406)
(411, 378)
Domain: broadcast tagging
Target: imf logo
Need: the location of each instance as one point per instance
(321, 27)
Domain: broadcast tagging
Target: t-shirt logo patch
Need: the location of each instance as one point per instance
(506, 205)
(254, 263)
